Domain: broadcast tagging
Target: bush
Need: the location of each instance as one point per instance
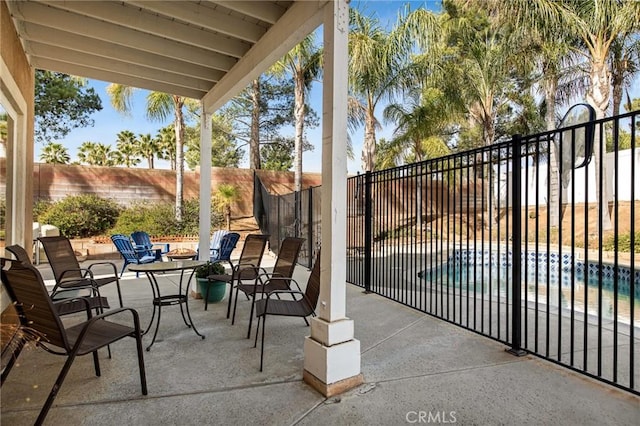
(82, 216)
(159, 219)
(40, 207)
(624, 243)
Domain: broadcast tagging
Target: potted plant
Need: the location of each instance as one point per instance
(216, 288)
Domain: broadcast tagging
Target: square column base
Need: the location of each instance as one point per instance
(332, 369)
(333, 389)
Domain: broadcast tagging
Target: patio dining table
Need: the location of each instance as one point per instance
(180, 298)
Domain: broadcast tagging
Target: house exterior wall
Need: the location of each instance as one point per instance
(17, 93)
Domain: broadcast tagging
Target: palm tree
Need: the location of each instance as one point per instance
(371, 67)
(148, 148)
(54, 153)
(226, 194)
(159, 107)
(167, 145)
(95, 154)
(625, 64)
(376, 59)
(127, 148)
(304, 63)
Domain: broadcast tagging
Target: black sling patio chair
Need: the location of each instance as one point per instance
(36, 312)
(302, 307)
(245, 269)
(265, 282)
(67, 270)
(69, 307)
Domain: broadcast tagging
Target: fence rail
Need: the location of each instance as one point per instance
(531, 242)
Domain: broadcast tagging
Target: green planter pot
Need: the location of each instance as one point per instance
(216, 289)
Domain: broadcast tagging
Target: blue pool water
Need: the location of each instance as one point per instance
(489, 273)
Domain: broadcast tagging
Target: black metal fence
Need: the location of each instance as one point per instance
(530, 242)
(277, 216)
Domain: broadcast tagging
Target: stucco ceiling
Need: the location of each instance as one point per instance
(179, 47)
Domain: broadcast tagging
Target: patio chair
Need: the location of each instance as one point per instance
(268, 282)
(216, 242)
(36, 311)
(69, 307)
(143, 242)
(67, 271)
(227, 244)
(245, 269)
(302, 307)
(129, 253)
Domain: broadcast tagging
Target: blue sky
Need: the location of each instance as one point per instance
(108, 122)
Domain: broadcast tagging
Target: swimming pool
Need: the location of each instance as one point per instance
(552, 279)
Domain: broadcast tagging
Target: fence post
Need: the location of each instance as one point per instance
(297, 199)
(279, 224)
(367, 232)
(310, 229)
(516, 247)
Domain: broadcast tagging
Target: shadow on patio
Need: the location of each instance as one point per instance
(417, 369)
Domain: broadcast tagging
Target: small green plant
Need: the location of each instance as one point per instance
(209, 268)
(624, 243)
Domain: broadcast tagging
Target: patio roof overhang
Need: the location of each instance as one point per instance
(188, 48)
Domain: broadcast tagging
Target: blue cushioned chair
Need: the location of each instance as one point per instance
(216, 241)
(143, 241)
(129, 252)
(227, 244)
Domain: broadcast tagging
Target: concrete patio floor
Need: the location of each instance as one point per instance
(417, 369)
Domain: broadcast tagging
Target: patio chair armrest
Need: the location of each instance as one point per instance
(239, 268)
(280, 277)
(113, 266)
(92, 320)
(164, 247)
(83, 271)
(279, 292)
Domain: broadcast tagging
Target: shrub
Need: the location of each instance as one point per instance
(40, 207)
(159, 219)
(82, 215)
(624, 243)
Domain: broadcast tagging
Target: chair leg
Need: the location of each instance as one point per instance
(206, 296)
(255, 342)
(230, 297)
(264, 326)
(119, 293)
(12, 361)
(96, 362)
(54, 390)
(235, 305)
(253, 304)
(143, 375)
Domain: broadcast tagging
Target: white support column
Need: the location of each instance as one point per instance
(331, 354)
(205, 187)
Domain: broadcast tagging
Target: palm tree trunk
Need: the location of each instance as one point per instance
(254, 142)
(369, 148)
(550, 88)
(598, 98)
(299, 117)
(179, 125)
